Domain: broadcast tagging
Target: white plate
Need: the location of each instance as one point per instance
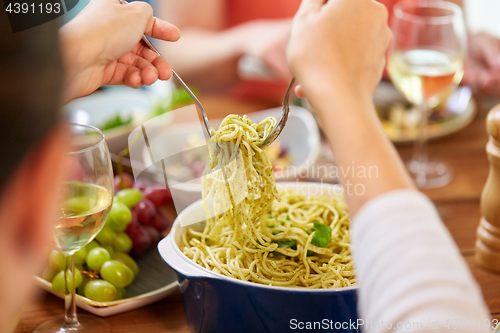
(155, 281)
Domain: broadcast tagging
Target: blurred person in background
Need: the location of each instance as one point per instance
(40, 70)
(237, 47)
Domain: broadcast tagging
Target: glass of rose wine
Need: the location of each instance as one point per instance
(86, 198)
(425, 63)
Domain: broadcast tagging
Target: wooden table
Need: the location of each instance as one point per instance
(457, 203)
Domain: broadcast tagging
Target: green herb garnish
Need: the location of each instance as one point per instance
(116, 121)
(289, 243)
(322, 235)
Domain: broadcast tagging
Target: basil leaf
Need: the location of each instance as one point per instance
(289, 243)
(322, 235)
(285, 243)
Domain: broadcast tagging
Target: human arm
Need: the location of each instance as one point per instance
(408, 268)
(339, 78)
(102, 46)
(208, 53)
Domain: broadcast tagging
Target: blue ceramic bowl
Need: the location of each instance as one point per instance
(220, 304)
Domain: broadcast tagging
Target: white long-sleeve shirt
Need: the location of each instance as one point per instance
(410, 271)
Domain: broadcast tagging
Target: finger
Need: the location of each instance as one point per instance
(160, 29)
(149, 73)
(299, 92)
(132, 77)
(116, 77)
(155, 27)
(162, 66)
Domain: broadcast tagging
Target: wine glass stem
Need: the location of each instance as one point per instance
(70, 318)
(420, 155)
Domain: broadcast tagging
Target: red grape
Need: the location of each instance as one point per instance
(153, 233)
(141, 241)
(145, 210)
(133, 223)
(128, 181)
(159, 221)
(158, 195)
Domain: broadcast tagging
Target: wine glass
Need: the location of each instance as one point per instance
(86, 198)
(425, 63)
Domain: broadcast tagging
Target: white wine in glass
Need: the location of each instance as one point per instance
(425, 63)
(425, 75)
(83, 212)
(86, 199)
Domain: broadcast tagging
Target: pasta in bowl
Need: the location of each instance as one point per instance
(216, 302)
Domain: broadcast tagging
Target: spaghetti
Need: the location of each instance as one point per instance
(254, 233)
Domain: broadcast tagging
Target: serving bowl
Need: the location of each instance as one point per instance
(217, 303)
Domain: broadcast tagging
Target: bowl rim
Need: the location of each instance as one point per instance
(186, 267)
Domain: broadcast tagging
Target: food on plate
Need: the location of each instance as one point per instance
(116, 121)
(253, 232)
(105, 266)
(177, 98)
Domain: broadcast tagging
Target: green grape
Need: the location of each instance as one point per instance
(110, 249)
(106, 236)
(56, 261)
(80, 256)
(48, 274)
(58, 283)
(119, 217)
(68, 263)
(81, 288)
(69, 279)
(127, 261)
(100, 291)
(58, 280)
(117, 273)
(96, 257)
(121, 293)
(122, 243)
(129, 196)
(78, 205)
(91, 245)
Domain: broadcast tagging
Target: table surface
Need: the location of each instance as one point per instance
(457, 203)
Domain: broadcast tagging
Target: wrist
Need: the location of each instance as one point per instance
(73, 54)
(331, 90)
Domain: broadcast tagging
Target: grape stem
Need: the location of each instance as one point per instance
(119, 166)
(92, 275)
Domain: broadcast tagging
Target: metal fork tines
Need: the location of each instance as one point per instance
(284, 117)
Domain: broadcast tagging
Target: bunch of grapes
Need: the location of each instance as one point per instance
(147, 222)
(103, 268)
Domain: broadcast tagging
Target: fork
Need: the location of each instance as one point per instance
(274, 133)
